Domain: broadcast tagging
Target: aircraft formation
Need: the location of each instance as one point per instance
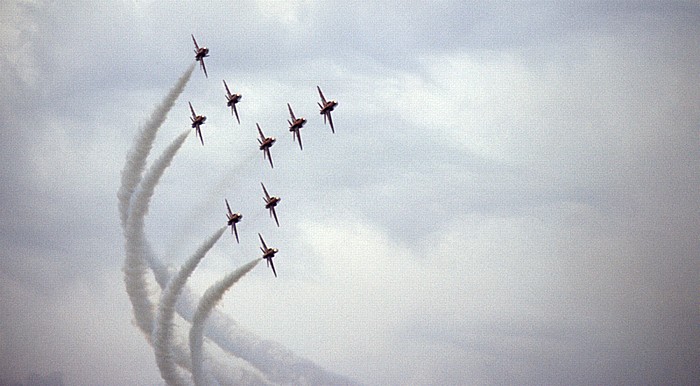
(295, 126)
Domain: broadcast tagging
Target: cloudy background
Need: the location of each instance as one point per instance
(512, 195)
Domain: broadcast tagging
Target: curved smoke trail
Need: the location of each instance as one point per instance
(136, 156)
(137, 246)
(135, 268)
(208, 301)
(278, 362)
(163, 333)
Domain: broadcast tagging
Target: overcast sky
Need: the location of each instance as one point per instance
(512, 194)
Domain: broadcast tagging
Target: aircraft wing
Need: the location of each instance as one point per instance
(201, 61)
(298, 135)
(291, 112)
(192, 110)
(228, 207)
(236, 112)
(195, 42)
(262, 136)
(235, 231)
(265, 190)
(321, 94)
(272, 265)
(269, 157)
(330, 120)
(274, 214)
(262, 241)
(227, 91)
(199, 132)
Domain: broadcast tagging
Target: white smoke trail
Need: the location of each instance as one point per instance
(138, 252)
(278, 363)
(141, 147)
(208, 301)
(163, 333)
(135, 268)
(282, 365)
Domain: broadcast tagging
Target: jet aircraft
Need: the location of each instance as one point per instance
(326, 108)
(268, 254)
(197, 122)
(270, 203)
(233, 218)
(265, 144)
(199, 54)
(232, 100)
(295, 125)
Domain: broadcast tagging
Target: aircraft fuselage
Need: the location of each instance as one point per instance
(297, 124)
(201, 53)
(272, 202)
(269, 253)
(198, 121)
(233, 99)
(267, 143)
(234, 218)
(328, 107)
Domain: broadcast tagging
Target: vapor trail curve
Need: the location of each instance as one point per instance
(241, 342)
(135, 266)
(278, 363)
(141, 147)
(163, 344)
(136, 269)
(163, 332)
(208, 301)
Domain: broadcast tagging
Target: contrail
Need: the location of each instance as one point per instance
(136, 156)
(135, 268)
(139, 252)
(163, 333)
(278, 363)
(208, 301)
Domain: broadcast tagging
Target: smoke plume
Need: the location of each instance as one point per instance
(135, 268)
(136, 156)
(163, 334)
(208, 301)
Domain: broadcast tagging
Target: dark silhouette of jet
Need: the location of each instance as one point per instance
(270, 203)
(268, 254)
(232, 100)
(295, 125)
(233, 219)
(197, 122)
(265, 144)
(326, 108)
(200, 54)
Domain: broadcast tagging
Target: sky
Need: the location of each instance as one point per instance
(511, 195)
